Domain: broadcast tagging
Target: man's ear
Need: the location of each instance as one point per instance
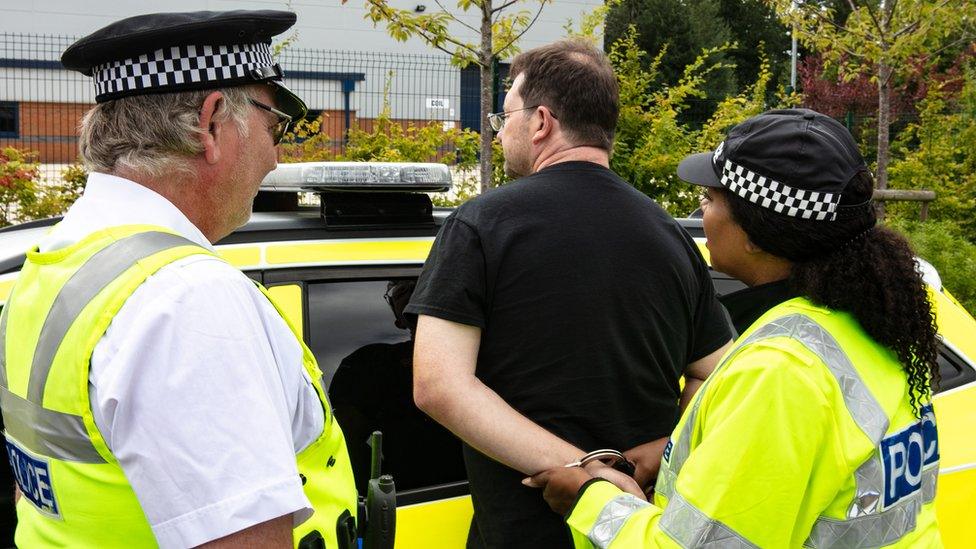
(212, 131)
(544, 124)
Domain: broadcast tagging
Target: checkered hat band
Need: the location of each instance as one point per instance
(765, 192)
(181, 67)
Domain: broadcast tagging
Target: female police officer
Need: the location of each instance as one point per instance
(816, 429)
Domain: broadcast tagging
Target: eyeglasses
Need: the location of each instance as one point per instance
(497, 119)
(279, 128)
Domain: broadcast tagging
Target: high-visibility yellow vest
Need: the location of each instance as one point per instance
(803, 436)
(74, 491)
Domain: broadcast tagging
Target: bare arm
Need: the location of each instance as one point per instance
(273, 534)
(647, 456)
(445, 387)
(697, 371)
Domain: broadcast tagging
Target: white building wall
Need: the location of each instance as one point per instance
(328, 38)
(322, 24)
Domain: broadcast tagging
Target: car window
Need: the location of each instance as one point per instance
(367, 359)
(347, 315)
(724, 284)
(953, 370)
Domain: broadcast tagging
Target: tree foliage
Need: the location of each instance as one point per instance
(938, 153)
(389, 140)
(686, 28)
(23, 196)
(435, 27)
(942, 244)
(651, 138)
(881, 40)
(501, 26)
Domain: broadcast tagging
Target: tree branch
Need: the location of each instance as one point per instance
(831, 22)
(947, 46)
(431, 39)
(527, 27)
(454, 17)
(906, 29)
(503, 6)
(877, 24)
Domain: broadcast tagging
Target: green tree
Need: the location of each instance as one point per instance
(685, 29)
(938, 153)
(393, 141)
(651, 138)
(24, 197)
(498, 34)
(756, 30)
(881, 38)
(942, 244)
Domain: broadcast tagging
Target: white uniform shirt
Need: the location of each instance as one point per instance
(197, 386)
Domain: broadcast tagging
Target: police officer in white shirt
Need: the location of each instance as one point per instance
(203, 421)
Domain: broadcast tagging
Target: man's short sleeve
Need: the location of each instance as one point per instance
(189, 389)
(712, 327)
(453, 284)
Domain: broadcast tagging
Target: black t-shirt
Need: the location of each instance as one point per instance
(591, 300)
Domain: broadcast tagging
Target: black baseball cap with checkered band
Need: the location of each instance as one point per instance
(176, 52)
(796, 162)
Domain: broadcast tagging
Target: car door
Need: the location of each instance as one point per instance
(349, 321)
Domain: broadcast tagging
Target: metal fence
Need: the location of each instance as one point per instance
(41, 104)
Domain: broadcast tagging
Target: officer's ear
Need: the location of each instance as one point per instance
(211, 130)
(751, 247)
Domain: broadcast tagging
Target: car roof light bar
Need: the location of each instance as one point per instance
(358, 176)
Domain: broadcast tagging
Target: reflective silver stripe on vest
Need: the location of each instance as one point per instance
(865, 524)
(45, 432)
(57, 434)
(869, 483)
(612, 518)
(98, 272)
(691, 528)
(808, 333)
(3, 347)
(878, 529)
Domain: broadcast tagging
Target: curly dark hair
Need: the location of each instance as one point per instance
(851, 265)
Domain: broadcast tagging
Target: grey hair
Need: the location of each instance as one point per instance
(153, 134)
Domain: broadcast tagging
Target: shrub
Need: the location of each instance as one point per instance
(393, 141)
(938, 153)
(651, 136)
(944, 245)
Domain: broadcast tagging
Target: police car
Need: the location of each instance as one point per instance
(344, 269)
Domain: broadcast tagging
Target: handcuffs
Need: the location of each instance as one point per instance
(611, 458)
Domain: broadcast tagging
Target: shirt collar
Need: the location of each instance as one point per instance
(747, 305)
(110, 201)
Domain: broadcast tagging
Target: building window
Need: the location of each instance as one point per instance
(9, 119)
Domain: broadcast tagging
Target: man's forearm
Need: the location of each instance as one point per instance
(478, 416)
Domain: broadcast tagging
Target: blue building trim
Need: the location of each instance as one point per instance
(7, 63)
(348, 80)
(12, 63)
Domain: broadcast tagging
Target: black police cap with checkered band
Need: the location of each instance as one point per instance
(796, 162)
(175, 52)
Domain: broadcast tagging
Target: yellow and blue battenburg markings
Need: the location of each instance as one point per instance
(906, 453)
(33, 476)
